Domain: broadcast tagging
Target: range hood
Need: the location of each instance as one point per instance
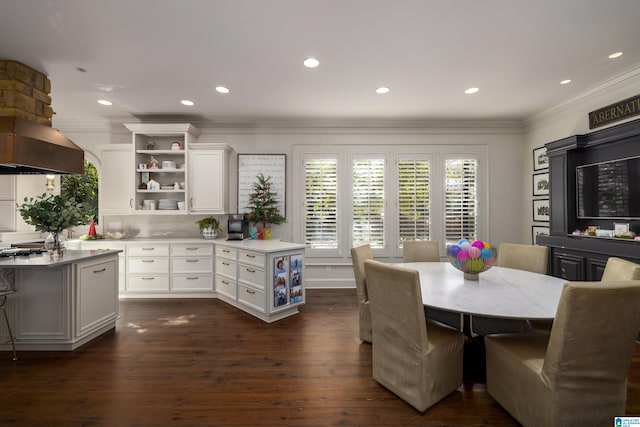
(31, 148)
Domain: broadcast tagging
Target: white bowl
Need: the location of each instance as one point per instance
(115, 234)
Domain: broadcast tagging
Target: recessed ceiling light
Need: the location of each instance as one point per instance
(222, 89)
(382, 89)
(186, 102)
(104, 102)
(471, 90)
(311, 62)
(565, 82)
(615, 55)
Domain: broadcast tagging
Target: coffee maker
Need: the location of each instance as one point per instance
(235, 227)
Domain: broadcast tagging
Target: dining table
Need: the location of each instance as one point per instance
(499, 292)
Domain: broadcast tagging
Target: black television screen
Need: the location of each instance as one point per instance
(609, 189)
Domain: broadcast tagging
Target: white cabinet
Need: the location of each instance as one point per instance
(96, 296)
(147, 268)
(208, 170)
(7, 202)
(263, 278)
(160, 162)
(105, 244)
(65, 306)
(115, 185)
(191, 267)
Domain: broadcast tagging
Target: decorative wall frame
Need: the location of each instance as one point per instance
(540, 158)
(270, 165)
(538, 230)
(541, 184)
(541, 210)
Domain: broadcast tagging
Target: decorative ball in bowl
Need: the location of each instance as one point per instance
(472, 257)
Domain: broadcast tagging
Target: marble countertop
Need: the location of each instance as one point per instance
(46, 260)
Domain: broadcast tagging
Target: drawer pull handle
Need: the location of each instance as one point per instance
(250, 270)
(147, 260)
(192, 278)
(148, 249)
(226, 251)
(99, 271)
(191, 249)
(225, 263)
(147, 278)
(225, 282)
(192, 260)
(250, 291)
(250, 256)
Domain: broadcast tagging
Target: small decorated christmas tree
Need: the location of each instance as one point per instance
(263, 204)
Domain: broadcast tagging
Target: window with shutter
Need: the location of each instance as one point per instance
(368, 202)
(461, 199)
(321, 203)
(414, 195)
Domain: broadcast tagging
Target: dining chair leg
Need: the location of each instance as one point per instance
(12, 339)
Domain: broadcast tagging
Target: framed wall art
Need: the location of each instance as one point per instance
(541, 210)
(541, 184)
(538, 230)
(270, 165)
(540, 158)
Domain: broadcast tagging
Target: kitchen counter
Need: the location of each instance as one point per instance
(46, 260)
(61, 303)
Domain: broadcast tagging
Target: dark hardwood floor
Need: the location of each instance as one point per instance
(204, 363)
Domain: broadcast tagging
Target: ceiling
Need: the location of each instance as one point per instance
(145, 56)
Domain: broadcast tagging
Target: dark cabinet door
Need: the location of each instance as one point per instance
(568, 266)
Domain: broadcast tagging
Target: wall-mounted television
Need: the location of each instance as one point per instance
(609, 190)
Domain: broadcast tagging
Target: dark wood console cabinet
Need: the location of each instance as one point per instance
(576, 257)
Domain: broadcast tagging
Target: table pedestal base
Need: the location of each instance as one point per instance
(474, 363)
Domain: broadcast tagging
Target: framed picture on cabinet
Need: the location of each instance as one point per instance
(541, 210)
(540, 158)
(296, 279)
(538, 230)
(280, 281)
(541, 184)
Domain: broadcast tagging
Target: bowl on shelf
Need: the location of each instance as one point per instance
(168, 164)
(115, 234)
(472, 258)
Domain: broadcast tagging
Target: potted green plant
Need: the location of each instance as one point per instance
(52, 213)
(209, 227)
(263, 207)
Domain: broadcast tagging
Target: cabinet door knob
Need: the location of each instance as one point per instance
(191, 202)
(130, 203)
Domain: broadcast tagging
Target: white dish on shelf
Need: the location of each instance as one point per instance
(168, 164)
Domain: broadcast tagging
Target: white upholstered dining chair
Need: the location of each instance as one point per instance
(359, 255)
(420, 251)
(618, 269)
(419, 361)
(577, 374)
(518, 256)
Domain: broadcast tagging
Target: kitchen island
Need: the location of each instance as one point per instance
(61, 303)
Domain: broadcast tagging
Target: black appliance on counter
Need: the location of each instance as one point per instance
(235, 227)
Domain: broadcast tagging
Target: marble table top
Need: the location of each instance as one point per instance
(500, 292)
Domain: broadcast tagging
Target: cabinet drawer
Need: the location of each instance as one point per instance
(253, 258)
(226, 268)
(148, 283)
(191, 250)
(192, 282)
(148, 250)
(251, 297)
(148, 265)
(192, 265)
(224, 252)
(102, 244)
(252, 275)
(226, 287)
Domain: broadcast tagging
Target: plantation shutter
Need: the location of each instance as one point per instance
(414, 200)
(321, 203)
(368, 202)
(461, 199)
